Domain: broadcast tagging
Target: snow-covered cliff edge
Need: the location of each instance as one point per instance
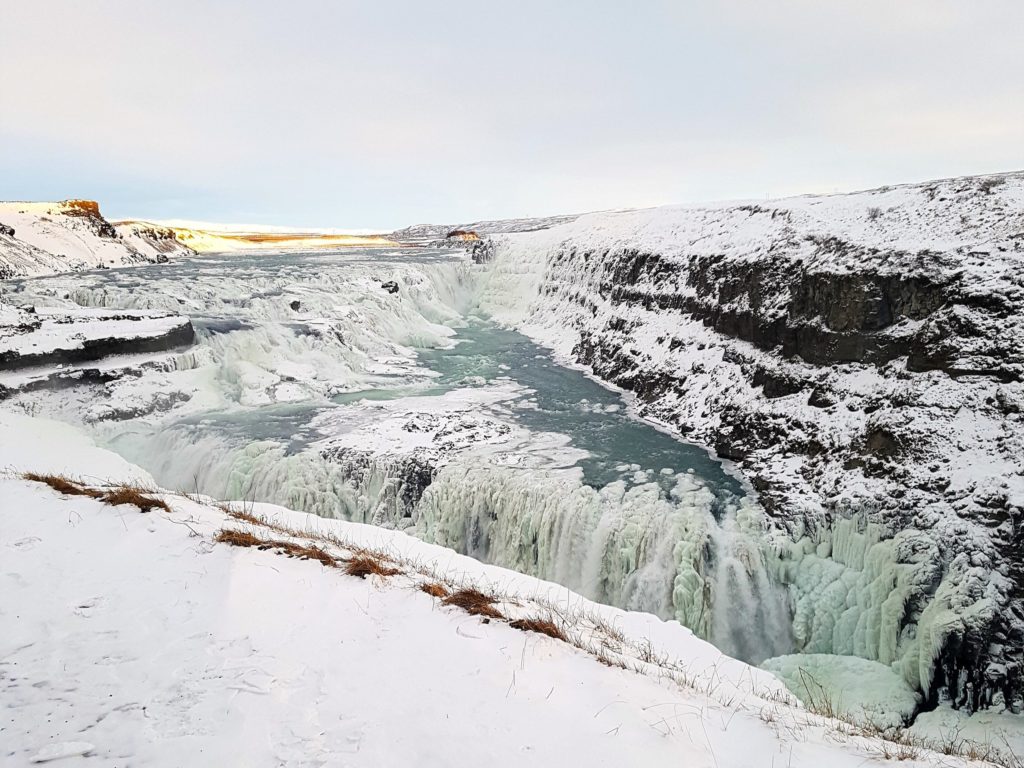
(861, 356)
(48, 238)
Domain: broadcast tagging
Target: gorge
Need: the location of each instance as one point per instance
(852, 362)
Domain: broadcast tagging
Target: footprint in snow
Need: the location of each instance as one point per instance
(86, 607)
(62, 750)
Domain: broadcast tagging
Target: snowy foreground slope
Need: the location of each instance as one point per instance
(48, 238)
(861, 357)
(138, 639)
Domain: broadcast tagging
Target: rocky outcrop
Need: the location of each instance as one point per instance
(70, 236)
(153, 238)
(860, 356)
(61, 338)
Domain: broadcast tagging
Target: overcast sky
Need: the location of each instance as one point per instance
(383, 113)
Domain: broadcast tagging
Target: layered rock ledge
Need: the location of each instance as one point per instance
(41, 345)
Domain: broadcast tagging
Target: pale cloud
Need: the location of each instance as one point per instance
(357, 114)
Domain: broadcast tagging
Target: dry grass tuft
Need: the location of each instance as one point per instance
(302, 551)
(114, 495)
(238, 538)
(127, 494)
(305, 552)
(242, 515)
(434, 589)
(544, 626)
(363, 565)
(474, 602)
(62, 484)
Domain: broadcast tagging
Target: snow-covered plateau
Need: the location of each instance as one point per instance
(825, 481)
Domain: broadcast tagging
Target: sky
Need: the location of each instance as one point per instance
(384, 113)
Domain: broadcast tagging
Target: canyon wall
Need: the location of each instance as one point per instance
(860, 356)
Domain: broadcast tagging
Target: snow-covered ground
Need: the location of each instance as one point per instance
(137, 639)
(428, 233)
(47, 238)
(224, 238)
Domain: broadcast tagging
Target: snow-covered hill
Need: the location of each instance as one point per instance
(861, 357)
(426, 233)
(48, 238)
(219, 238)
(206, 634)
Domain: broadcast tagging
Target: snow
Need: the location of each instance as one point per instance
(438, 426)
(68, 236)
(222, 238)
(62, 750)
(1001, 729)
(137, 640)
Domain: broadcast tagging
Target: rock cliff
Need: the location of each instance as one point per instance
(860, 356)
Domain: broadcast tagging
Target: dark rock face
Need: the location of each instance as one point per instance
(827, 317)
(482, 251)
(390, 286)
(182, 335)
(402, 479)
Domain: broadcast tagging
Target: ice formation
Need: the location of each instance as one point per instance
(277, 342)
(866, 691)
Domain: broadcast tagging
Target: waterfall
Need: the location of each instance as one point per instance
(751, 615)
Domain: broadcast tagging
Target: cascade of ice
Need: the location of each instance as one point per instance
(358, 488)
(633, 547)
(630, 547)
(851, 591)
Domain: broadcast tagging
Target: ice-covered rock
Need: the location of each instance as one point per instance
(864, 691)
(61, 337)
